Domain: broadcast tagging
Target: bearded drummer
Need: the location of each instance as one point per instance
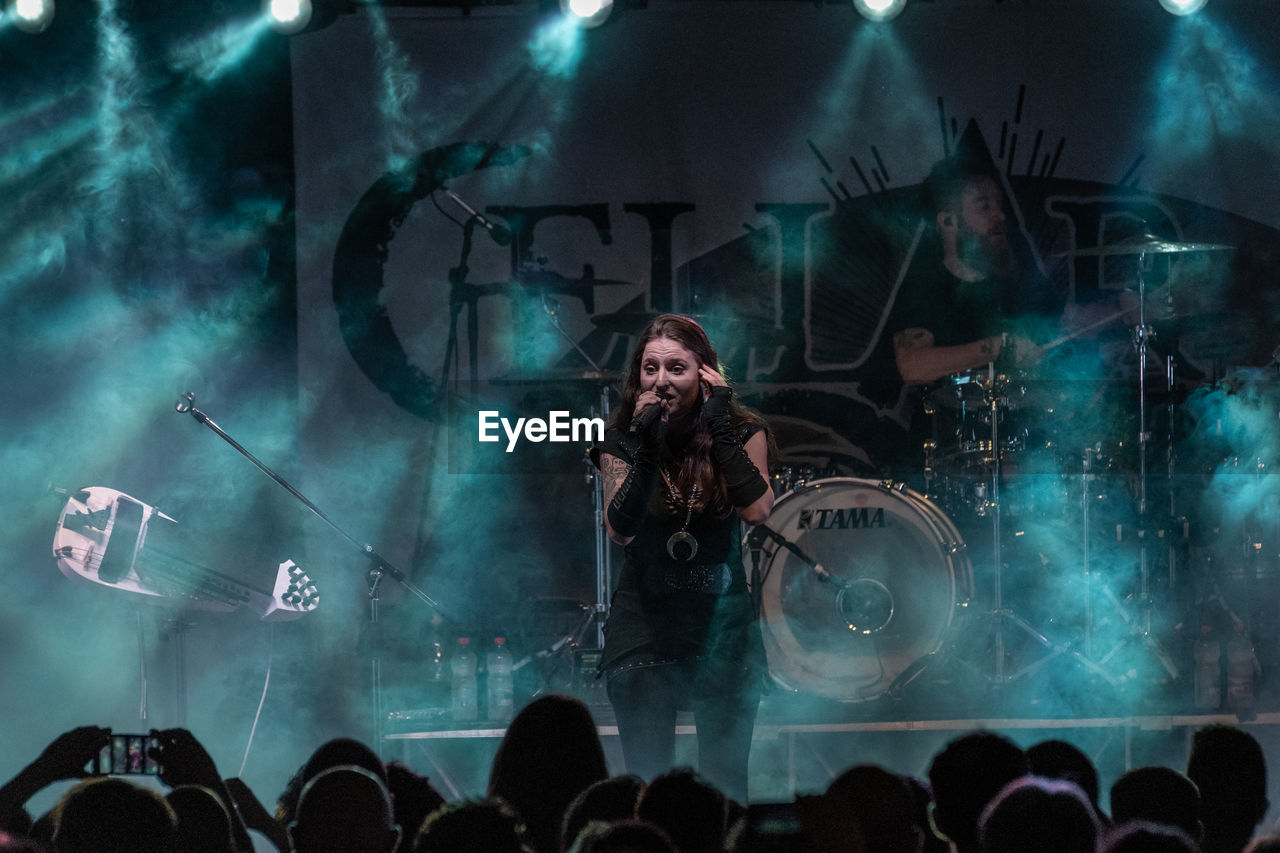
(974, 305)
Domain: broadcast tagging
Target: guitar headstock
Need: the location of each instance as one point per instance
(294, 594)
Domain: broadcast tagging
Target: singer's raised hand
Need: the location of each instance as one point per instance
(710, 378)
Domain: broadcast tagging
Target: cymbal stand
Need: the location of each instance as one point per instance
(1142, 335)
(1003, 615)
(1086, 568)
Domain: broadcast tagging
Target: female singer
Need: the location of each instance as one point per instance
(683, 464)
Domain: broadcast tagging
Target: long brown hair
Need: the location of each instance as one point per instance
(696, 466)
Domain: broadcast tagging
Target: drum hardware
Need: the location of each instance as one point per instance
(1088, 464)
(958, 457)
(1001, 615)
(1142, 335)
(787, 478)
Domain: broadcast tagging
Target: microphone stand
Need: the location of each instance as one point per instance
(763, 531)
(379, 567)
(604, 560)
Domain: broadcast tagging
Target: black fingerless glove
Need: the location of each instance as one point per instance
(631, 500)
(742, 479)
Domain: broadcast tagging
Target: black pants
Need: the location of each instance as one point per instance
(645, 699)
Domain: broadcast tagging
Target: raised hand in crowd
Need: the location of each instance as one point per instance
(254, 815)
(67, 757)
(183, 760)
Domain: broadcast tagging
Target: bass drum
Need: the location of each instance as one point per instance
(893, 573)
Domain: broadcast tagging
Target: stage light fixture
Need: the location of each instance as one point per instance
(288, 16)
(1183, 7)
(587, 13)
(30, 16)
(879, 10)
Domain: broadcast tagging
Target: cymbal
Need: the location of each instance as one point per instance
(1143, 244)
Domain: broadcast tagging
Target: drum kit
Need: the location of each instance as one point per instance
(865, 584)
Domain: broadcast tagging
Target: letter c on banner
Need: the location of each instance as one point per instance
(362, 251)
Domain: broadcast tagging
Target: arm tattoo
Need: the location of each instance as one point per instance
(908, 338)
(615, 472)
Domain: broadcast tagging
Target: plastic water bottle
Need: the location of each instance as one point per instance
(501, 686)
(1208, 670)
(463, 681)
(1241, 663)
(438, 678)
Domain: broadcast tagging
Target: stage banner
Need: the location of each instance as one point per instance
(490, 206)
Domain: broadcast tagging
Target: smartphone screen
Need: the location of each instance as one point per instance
(129, 755)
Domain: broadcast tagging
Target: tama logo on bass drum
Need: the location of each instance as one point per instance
(841, 519)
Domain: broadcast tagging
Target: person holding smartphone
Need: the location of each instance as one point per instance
(684, 465)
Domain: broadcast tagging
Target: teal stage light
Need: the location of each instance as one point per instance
(288, 16)
(30, 16)
(1183, 7)
(587, 13)
(879, 10)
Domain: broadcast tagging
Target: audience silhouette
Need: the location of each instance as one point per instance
(965, 776)
(550, 753)
(204, 824)
(344, 809)
(606, 801)
(1158, 795)
(473, 826)
(1059, 759)
(688, 808)
(110, 815)
(1142, 836)
(549, 792)
(1038, 815)
(624, 836)
(882, 805)
(1227, 765)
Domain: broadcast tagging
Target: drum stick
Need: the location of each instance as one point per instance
(1070, 336)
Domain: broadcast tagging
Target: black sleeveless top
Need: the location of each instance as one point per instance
(667, 610)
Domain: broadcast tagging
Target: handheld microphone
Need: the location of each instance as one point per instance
(647, 416)
(644, 420)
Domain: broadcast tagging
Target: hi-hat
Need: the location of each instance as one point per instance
(1143, 244)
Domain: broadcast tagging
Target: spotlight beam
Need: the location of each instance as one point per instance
(30, 16)
(879, 10)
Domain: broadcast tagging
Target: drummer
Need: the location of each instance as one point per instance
(977, 302)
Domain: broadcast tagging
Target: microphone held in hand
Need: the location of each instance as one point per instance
(643, 419)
